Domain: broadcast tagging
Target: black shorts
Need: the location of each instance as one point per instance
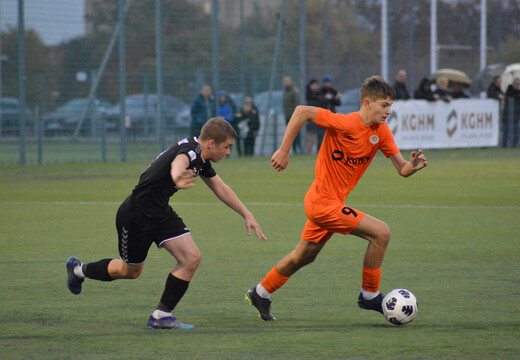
(136, 232)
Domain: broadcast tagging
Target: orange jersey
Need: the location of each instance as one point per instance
(347, 149)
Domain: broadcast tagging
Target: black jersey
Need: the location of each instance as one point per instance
(156, 186)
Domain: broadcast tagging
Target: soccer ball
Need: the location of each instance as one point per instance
(399, 306)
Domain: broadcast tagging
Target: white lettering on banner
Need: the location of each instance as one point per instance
(460, 123)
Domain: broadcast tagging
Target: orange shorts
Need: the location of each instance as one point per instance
(324, 220)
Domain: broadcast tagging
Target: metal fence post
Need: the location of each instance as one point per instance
(214, 23)
(21, 79)
(122, 80)
(39, 133)
(273, 73)
(158, 48)
(103, 139)
(510, 122)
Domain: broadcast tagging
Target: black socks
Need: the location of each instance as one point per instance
(173, 292)
(97, 270)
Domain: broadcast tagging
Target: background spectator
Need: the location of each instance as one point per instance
(442, 92)
(494, 90)
(291, 99)
(248, 120)
(202, 109)
(424, 90)
(401, 92)
(458, 92)
(314, 133)
(330, 98)
(512, 101)
(224, 109)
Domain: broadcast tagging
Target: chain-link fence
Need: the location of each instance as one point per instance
(79, 68)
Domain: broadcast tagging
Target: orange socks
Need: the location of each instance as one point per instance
(273, 280)
(371, 279)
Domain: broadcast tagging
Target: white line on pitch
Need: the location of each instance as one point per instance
(478, 207)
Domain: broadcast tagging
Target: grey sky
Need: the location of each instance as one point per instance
(54, 20)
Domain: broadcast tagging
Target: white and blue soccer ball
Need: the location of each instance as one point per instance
(399, 306)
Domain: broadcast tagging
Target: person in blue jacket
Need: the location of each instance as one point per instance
(224, 109)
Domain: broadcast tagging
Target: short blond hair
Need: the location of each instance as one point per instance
(218, 129)
(375, 88)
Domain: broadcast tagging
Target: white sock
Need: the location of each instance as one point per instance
(78, 271)
(158, 314)
(260, 290)
(368, 295)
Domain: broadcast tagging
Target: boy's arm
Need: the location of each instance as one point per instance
(405, 168)
(228, 197)
(300, 116)
(182, 177)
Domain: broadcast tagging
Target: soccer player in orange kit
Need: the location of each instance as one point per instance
(350, 143)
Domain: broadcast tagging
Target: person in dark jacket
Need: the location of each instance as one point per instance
(458, 93)
(401, 92)
(202, 109)
(442, 92)
(512, 106)
(494, 90)
(424, 90)
(330, 98)
(314, 133)
(248, 120)
(291, 99)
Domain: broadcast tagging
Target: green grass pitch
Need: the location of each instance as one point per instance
(455, 244)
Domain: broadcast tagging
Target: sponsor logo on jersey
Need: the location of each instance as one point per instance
(192, 155)
(338, 155)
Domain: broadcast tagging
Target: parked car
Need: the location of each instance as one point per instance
(349, 101)
(65, 119)
(10, 118)
(141, 111)
(262, 98)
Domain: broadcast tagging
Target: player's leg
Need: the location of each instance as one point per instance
(133, 244)
(175, 237)
(188, 257)
(305, 253)
(378, 235)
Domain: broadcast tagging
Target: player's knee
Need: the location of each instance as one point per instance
(193, 260)
(133, 272)
(382, 237)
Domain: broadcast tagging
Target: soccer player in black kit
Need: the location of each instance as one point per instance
(145, 218)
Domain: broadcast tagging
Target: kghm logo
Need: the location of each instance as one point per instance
(451, 123)
(468, 121)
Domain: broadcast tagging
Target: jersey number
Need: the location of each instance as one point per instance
(349, 211)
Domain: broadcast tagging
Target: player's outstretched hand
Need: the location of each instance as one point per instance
(185, 179)
(280, 160)
(418, 160)
(252, 224)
